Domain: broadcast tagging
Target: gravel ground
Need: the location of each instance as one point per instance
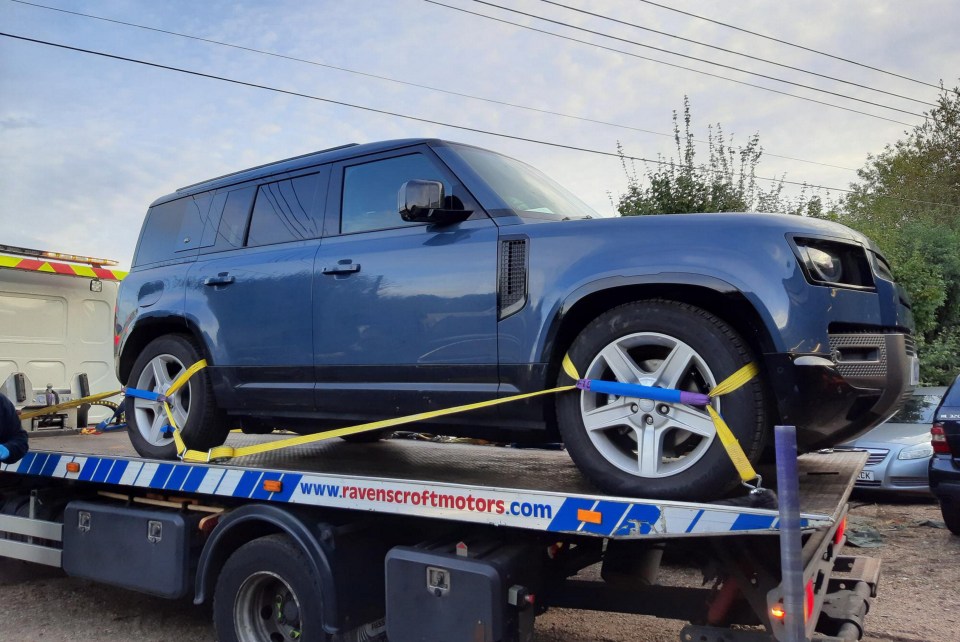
(919, 597)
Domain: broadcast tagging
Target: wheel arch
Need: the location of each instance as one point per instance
(150, 328)
(251, 522)
(709, 293)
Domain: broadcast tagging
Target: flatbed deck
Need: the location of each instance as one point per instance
(525, 488)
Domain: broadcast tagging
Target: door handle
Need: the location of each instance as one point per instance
(221, 279)
(343, 267)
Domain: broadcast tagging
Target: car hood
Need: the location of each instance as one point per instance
(723, 221)
(893, 434)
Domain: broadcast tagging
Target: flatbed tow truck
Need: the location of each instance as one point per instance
(411, 540)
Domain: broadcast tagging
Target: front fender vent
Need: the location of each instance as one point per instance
(512, 286)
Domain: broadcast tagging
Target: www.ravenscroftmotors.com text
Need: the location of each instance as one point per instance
(429, 498)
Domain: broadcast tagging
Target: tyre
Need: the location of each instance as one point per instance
(202, 425)
(369, 437)
(643, 448)
(268, 591)
(951, 515)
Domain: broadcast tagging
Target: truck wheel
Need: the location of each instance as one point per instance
(202, 425)
(644, 448)
(268, 591)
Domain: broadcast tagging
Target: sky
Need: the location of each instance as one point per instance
(87, 142)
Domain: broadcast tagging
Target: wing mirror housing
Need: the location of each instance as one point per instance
(424, 202)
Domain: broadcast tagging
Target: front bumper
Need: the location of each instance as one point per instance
(832, 398)
(893, 475)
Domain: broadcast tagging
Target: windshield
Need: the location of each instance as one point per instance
(528, 191)
(918, 409)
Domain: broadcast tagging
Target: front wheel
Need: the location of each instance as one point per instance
(639, 447)
(202, 425)
(269, 591)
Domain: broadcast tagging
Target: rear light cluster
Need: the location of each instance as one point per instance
(939, 440)
(778, 612)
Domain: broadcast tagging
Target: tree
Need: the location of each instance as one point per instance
(727, 182)
(907, 200)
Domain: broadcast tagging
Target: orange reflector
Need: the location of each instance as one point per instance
(778, 611)
(841, 530)
(273, 485)
(589, 516)
(73, 467)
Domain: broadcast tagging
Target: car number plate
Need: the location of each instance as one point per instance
(865, 475)
(914, 371)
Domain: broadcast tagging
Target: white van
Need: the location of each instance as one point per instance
(56, 329)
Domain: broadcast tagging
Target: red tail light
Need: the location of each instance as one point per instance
(808, 601)
(939, 440)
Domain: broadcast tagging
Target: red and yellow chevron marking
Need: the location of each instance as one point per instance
(55, 267)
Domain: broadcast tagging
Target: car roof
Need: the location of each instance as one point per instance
(330, 155)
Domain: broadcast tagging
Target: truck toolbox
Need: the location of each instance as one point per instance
(137, 548)
(458, 593)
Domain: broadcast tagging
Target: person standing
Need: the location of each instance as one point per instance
(13, 438)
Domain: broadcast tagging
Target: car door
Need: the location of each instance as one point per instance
(405, 312)
(251, 295)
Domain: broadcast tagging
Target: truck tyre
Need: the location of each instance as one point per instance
(268, 591)
(642, 448)
(201, 423)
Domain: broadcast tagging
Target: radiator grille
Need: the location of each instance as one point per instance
(513, 276)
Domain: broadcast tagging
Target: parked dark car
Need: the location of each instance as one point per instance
(386, 279)
(945, 463)
(899, 448)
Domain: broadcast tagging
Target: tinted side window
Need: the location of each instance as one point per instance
(195, 216)
(161, 232)
(952, 398)
(283, 212)
(370, 191)
(233, 221)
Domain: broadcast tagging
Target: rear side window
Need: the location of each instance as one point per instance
(161, 232)
(283, 212)
(952, 398)
(233, 221)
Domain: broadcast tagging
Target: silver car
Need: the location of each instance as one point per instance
(900, 448)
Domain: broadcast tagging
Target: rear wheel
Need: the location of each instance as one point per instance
(193, 407)
(951, 515)
(644, 448)
(268, 591)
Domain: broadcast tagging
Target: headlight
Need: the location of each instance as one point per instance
(826, 265)
(834, 263)
(920, 451)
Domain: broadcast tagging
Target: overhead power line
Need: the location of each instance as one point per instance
(668, 64)
(736, 53)
(792, 44)
(689, 57)
(419, 119)
(398, 81)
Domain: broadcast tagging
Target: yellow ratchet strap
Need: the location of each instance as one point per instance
(49, 410)
(228, 452)
(727, 438)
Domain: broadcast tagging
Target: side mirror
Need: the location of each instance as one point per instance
(423, 202)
